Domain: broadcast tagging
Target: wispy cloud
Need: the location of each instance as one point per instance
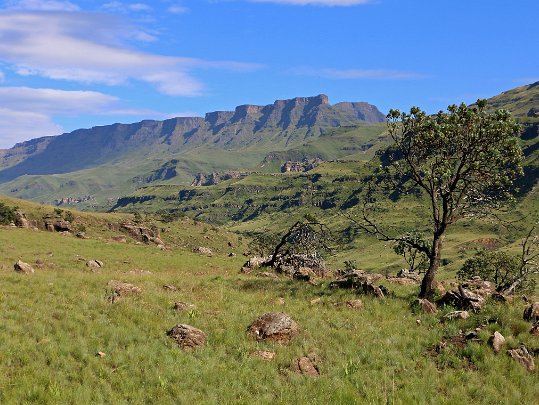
(118, 6)
(356, 74)
(330, 3)
(92, 48)
(177, 9)
(41, 5)
(27, 112)
(2, 77)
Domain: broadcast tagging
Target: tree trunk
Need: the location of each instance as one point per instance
(426, 285)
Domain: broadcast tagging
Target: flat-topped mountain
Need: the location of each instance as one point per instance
(86, 160)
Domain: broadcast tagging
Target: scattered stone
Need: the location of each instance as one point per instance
(305, 366)
(371, 289)
(451, 316)
(523, 357)
(266, 274)
(139, 272)
(402, 280)
(496, 341)
(316, 301)
(352, 304)
(81, 235)
(418, 321)
(304, 274)
(169, 287)
(280, 301)
(535, 329)
(100, 354)
(40, 263)
(403, 273)
(23, 267)
(143, 234)
(246, 270)
(264, 355)
(463, 299)
(531, 313)
(498, 297)
(119, 239)
(275, 326)
(203, 251)
(187, 337)
(425, 306)
(355, 279)
(255, 262)
(94, 264)
(121, 289)
(232, 254)
(183, 306)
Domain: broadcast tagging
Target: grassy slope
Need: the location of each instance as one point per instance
(56, 320)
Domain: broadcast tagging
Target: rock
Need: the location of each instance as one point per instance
(122, 289)
(275, 326)
(304, 274)
(94, 264)
(496, 341)
(355, 279)
(139, 272)
(142, 234)
(463, 299)
(255, 262)
(425, 306)
(279, 301)
(352, 304)
(20, 220)
(451, 316)
(305, 366)
(203, 251)
(523, 357)
(403, 273)
(169, 287)
(246, 270)
(531, 313)
(119, 239)
(371, 289)
(23, 267)
(63, 226)
(81, 235)
(535, 329)
(100, 354)
(402, 280)
(316, 301)
(40, 263)
(264, 355)
(232, 254)
(266, 274)
(498, 297)
(187, 337)
(183, 306)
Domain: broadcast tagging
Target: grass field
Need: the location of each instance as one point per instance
(56, 320)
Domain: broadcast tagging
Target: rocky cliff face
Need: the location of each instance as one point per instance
(292, 119)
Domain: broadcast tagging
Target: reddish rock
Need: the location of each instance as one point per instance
(187, 337)
(275, 326)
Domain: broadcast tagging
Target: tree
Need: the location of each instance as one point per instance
(7, 214)
(463, 161)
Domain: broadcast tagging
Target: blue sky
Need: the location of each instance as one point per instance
(74, 64)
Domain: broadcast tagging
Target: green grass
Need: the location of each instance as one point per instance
(56, 320)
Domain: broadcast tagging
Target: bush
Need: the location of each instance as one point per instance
(7, 214)
(500, 268)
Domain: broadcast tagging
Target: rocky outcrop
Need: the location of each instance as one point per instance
(303, 166)
(471, 295)
(523, 357)
(212, 179)
(143, 234)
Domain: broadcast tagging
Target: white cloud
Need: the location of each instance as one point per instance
(28, 113)
(354, 74)
(2, 77)
(18, 126)
(331, 3)
(42, 5)
(177, 9)
(89, 48)
(118, 6)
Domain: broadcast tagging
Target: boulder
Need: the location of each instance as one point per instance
(371, 289)
(496, 341)
(352, 304)
(531, 313)
(535, 329)
(169, 287)
(275, 326)
(451, 316)
(355, 279)
(255, 262)
(187, 337)
(425, 306)
(523, 357)
(121, 289)
(402, 280)
(94, 264)
(23, 267)
(203, 251)
(20, 220)
(62, 226)
(304, 274)
(81, 235)
(463, 299)
(403, 273)
(305, 366)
